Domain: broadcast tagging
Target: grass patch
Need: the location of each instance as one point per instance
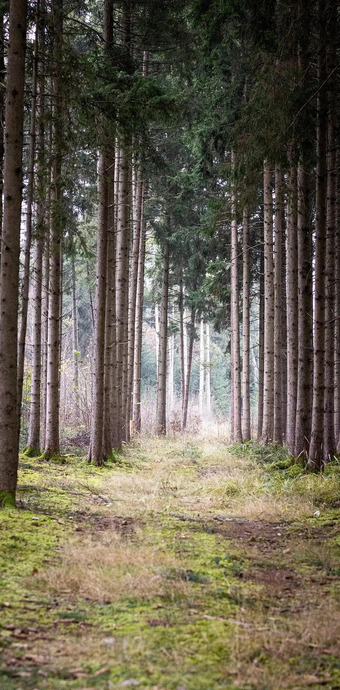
(179, 564)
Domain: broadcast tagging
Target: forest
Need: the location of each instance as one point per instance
(169, 344)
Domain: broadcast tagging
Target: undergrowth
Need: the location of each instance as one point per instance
(180, 564)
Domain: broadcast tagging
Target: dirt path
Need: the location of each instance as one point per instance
(186, 567)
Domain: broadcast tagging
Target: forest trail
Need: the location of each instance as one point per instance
(184, 565)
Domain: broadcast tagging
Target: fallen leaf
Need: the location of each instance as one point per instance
(101, 672)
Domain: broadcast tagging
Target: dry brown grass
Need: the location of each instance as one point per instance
(264, 651)
(199, 475)
(111, 568)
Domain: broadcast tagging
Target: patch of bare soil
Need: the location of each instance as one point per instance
(276, 578)
(102, 523)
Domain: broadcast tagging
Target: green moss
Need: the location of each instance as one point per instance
(7, 499)
(31, 452)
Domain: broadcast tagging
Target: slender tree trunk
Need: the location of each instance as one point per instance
(136, 224)
(97, 451)
(329, 443)
(11, 252)
(45, 311)
(163, 347)
(53, 345)
(261, 349)
(113, 244)
(292, 308)
(139, 329)
(189, 367)
(202, 368)
(305, 317)
(122, 287)
(268, 375)
(110, 379)
(29, 214)
(315, 459)
(278, 350)
(181, 340)
(2, 112)
(170, 382)
(246, 430)
(235, 325)
(35, 407)
(337, 312)
(208, 371)
(75, 344)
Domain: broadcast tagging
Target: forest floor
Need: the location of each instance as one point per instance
(183, 565)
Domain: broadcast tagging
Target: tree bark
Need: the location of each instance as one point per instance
(235, 324)
(246, 427)
(11, 251)
(292, 310)
(163, 346)
(261, 348)
(278, 349)
(136, 225)
(75, 343)
(329, 443)
(139, 330)
(268, 375)
(208, 370)
(201, 368)
(122, 290)
(316, 457)
(97, 453)
(29, 217)
(305, 317)
(54, 313)
(40, 233)
(188, 368)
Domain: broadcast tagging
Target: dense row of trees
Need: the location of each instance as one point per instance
(207, 132)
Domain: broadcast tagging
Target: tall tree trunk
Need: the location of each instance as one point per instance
(122, 289)
(53, 345)
(207, 370)
(278, 350)
(268, 374)
(315, 458)
(139, 329)
(181, 339)
(246, 430)
(261, 348)
(329, 444)
(201, 368)
(189, 367)
(2, 111)
(11, 251)
(137, 207)
(29, 215)
(337, 312)
(75, 343)
(305, 317)
(163, 346)
(40, 233)
(110, 379)
(97, 452)
(170, 382)
(235, 325)
(45, 311)
(292, 308)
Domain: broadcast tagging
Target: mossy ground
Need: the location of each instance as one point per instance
(183, 565)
